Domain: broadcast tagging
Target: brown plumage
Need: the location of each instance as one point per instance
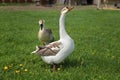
(48, 50)
(45, 35)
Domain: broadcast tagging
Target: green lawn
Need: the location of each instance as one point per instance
(97, 45)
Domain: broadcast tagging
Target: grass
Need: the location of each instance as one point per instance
(96, 55)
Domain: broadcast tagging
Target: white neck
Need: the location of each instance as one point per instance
(62, 30)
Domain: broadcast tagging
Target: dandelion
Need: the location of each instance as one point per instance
(20, 65)
(5, 68)
(58, 69)
(17, 71)
(25, 70)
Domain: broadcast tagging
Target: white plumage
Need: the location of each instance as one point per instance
(57, 51)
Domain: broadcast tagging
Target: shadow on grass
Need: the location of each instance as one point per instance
(69, 63)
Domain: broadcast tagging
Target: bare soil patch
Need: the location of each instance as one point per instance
(30, 7)
(34, 7)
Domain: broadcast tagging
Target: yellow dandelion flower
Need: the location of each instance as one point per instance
(20, 65)
(17, 71)
(58, 69)
(25, 70)
(5, 68)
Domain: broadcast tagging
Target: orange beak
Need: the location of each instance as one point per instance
(70, 8)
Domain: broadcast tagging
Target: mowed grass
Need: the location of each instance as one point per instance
(97, 45)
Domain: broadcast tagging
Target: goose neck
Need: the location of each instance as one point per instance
(62, 30)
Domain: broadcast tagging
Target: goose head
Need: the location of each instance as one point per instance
(66, 9)
(41, 23)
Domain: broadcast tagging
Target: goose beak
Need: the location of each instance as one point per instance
(70, 8)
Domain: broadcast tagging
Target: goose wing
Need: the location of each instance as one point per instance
(51, 49)
(50, 34)
(49, 31)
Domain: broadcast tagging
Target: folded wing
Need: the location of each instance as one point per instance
(51, 49)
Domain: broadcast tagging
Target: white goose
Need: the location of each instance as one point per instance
(45, 35)
(57, 51)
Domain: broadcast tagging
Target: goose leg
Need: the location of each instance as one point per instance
(54, 67)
